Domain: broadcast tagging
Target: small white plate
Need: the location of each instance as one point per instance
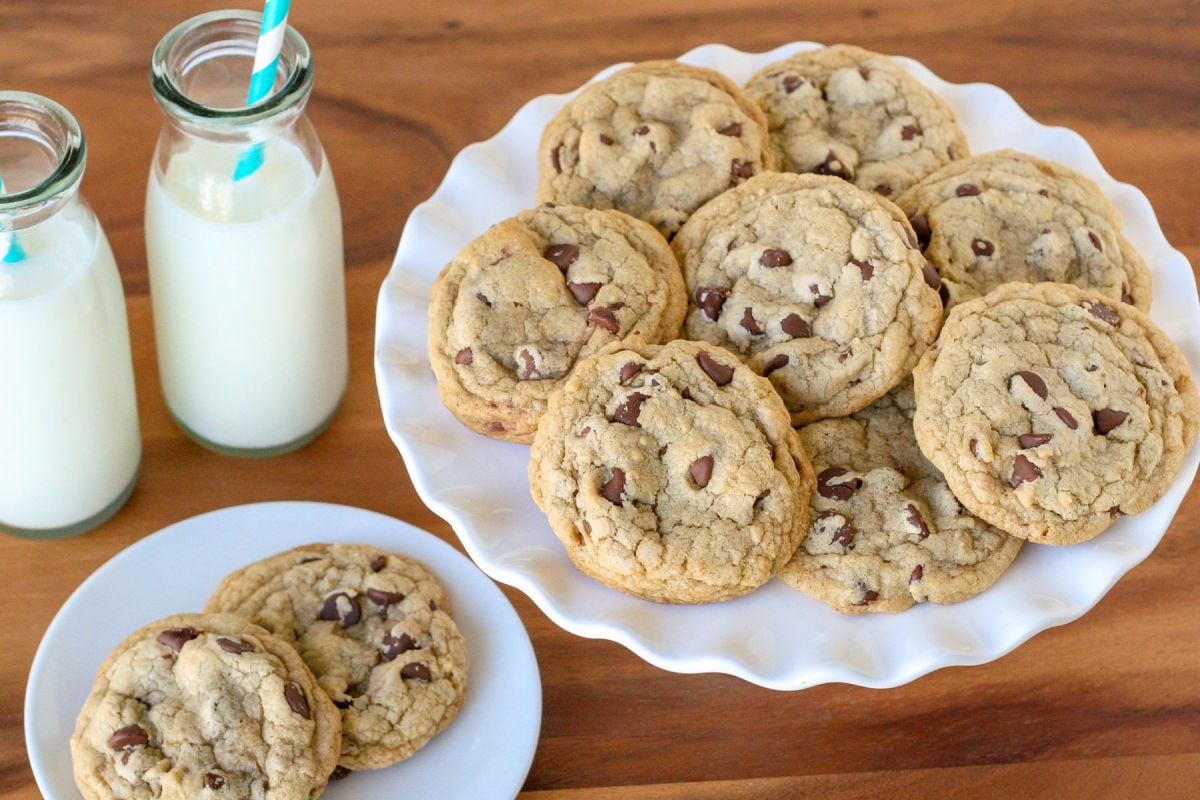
(775, 637)
(176, 569)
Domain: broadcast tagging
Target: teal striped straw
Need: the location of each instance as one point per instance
(262, 81)
(13, 252)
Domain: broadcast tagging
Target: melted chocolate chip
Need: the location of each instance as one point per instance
(920, 224)
(176, 638)
(465, 357)
(774, 257)
(343, 607)
(1067, 418)
(627, 413)
(583, 293)
(778, 362)
(563, 255)
(528, 368)
(795, 326)
(614, 487)
(732, 129)
(628, 370)
(1103, 312)
(213, 781)
(384, 598)
(129, 736)
(844, 535)
(1106, 419)
(866, 267)
(917, 521)
(721, 375)
(749, 323)
(296, 699)
(234, 646)
(832, 165)
(792, 82)
(378, 563)
(739, 171)
(701, 471)
(819, 300)
(415, 671)
(982, 247)
(393, 646)
(1024, 471)
(932, 278)
(828, 485)
(603, 317)
(1031, 440)
(967, 190)
(1033, 381)
(710, 299)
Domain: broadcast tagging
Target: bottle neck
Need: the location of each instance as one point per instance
(42, 159)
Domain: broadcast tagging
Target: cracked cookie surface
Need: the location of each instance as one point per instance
(886, 530)
(655, 140)
(204, 705)
(671, 473)
(844, 111)
(518, 306)
(817, 284)
(1009, 216)
(376, 630)
(1054, 410)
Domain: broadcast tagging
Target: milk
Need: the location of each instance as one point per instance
(246, 280)
(69, 441)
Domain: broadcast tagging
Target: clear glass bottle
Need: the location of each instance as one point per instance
(70, 447)
(246, 275)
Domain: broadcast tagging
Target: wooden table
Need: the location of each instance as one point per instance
(1107, 706)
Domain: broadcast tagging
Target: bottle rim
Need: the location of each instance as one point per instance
(51, 126)
(204, 36)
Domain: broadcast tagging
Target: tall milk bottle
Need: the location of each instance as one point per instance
(246, 270)
(70, 448)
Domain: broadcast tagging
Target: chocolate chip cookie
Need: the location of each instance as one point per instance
(886, 530)
(849, 112)
(204, 705)
(1009, 216)
(816, 283)
(1054, 410)
(376, 630)
(671, 472)
(513, 311)
(655, 140)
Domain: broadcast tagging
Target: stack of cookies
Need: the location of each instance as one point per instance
(795, 329)
(312, 663)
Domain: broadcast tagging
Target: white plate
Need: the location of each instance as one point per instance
(774, 637)
(175, 570)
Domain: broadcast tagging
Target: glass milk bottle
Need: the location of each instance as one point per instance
(69, 442)
(246, 273)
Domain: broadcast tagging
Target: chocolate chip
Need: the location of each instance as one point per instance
(129, 736)
(732, 129)
(750, 323)
(917, 521)
(464, 357)
(739, 170)
(384, 598)
(1095, 240)
(1103, 312)
(641, 130)
(910, 132)
(1067, 418)
(828, 485)
(605, 139)
(628, 370)
(614, 487)
(710, 299)
(1024, 471)
(774, 257)
(584, 293)
(342, 607)
(967, 190)
(982, 247)
(763, 495)
(393, 646)
(296, 699)
(176, 638)
(234, 646)
(1125, 296)
(1106, 419)
(832, 165)
(819, 299)
(920, 225)
(721, 374)
(416, 671)
(481, 297)
(778, 362)
(844, 535)
(627, 413)
(869, 596)
(603, 317)
(213, 781)
(792, 82)
(563, 255)
(842, 356)
(339, 772)
(527, 370)
(378, 563)
(932, 278)
(917, 573)
(1033, 381)
(864, 72)
(555, 159)
(701, 471)
(973, 446)
(1030, 440)
(795, 326)
(867, 268)
(883, 189)
(343, 704)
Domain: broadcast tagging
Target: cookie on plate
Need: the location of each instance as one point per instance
(844, 111)
(513, 311)
(886, 530)
(1054, 410)
(204, 705)
(375, 628)
(671, 473)
(1009, 216)
(816, 283)
(655, 140)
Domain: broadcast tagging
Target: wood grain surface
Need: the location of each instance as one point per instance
(1104, 707)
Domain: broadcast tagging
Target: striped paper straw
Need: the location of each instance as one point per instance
(13, 252)
(262, 81)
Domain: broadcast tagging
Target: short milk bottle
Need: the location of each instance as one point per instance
(70, 447)
(246, 265)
